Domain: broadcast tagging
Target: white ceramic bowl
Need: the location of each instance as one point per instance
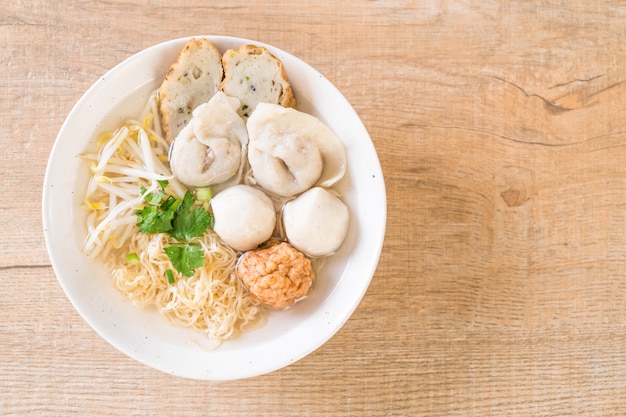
(288, 335)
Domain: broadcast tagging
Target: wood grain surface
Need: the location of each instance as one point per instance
(501, 130)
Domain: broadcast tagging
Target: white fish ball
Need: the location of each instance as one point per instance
(244, 217)
(316, 222)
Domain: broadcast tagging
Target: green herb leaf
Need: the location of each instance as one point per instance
(190, 223)
(153, 199)
(157, 216)
(151, 220)
(185, 257)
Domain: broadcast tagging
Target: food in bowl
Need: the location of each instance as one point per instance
(178, 210)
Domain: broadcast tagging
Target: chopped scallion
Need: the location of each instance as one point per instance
(204, 194)
(170, 276)
(132, 258)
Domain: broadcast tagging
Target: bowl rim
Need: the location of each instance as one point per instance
(257, 362)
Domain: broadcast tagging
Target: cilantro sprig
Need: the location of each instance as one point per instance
(185, 257)
(164, 213)
(189, 223)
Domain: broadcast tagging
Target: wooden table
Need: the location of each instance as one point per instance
(501, 130)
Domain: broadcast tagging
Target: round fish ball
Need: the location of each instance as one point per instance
(316, 222)
(244, 217)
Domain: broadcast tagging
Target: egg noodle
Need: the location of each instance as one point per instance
(213, 300)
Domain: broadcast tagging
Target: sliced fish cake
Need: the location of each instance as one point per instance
(254, 75)
(193, 79)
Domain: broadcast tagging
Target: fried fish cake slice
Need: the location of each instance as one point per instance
(254, 75)
(190, 81)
